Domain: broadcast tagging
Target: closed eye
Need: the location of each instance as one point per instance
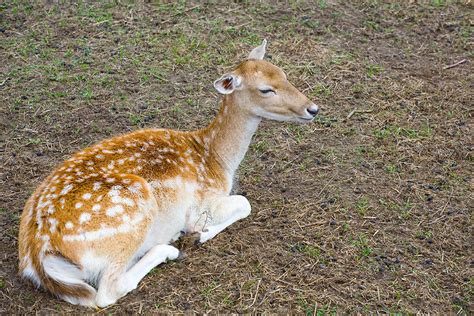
(265, 91)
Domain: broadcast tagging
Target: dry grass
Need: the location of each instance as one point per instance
(367, 210)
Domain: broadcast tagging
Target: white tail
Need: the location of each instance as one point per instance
(106, 216)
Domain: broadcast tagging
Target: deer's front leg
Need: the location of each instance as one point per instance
(225, 211)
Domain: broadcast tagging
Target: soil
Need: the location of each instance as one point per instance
(369, 209)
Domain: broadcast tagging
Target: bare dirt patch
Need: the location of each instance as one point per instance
(367, 210)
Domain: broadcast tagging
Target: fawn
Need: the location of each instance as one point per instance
(106, 216)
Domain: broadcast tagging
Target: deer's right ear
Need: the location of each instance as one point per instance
(227, 83)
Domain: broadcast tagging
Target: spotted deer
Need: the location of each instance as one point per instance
(104, 218)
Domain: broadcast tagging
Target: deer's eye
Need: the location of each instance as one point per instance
(267, 91)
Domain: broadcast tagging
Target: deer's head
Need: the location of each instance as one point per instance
(262, 89)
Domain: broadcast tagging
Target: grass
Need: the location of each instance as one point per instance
(362, 206)
(362, 244)
(312, 252)
(365, 199)
(313, 309)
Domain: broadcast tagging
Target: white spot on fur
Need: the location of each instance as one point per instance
(51, 209)
(86, 196)
(114, 210)
(85, 217)
(115, 191)
(69, 225)
(135, 188)
(126, 201)
(78, 205)
(52, 224)
(66, 189)
(96, 207)
(116, 199)
(96, 186)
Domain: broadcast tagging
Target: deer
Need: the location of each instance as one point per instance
(107, 216)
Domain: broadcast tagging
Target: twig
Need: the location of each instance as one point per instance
(456, 64)
(101, 22)
(327, 183)
(256, 293)
(355, 111)
(4, 81)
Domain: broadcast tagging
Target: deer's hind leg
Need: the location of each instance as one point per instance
(117, 281)
(125, 269)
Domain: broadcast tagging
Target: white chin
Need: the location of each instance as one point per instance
(276, 117)
(284, 118)
(303, 120)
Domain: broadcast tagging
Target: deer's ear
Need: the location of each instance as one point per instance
(227, 83)
(259, 51)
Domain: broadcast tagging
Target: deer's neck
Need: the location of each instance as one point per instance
(229, 134)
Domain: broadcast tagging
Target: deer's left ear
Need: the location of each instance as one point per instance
(259, 51)
(227, 83)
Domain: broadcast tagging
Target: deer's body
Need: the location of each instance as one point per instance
(107, 215)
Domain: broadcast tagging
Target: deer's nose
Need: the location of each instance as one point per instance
(313, 110)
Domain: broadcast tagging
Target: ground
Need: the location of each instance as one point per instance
(369, 209)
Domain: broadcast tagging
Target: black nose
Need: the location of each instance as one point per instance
(313, 110)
